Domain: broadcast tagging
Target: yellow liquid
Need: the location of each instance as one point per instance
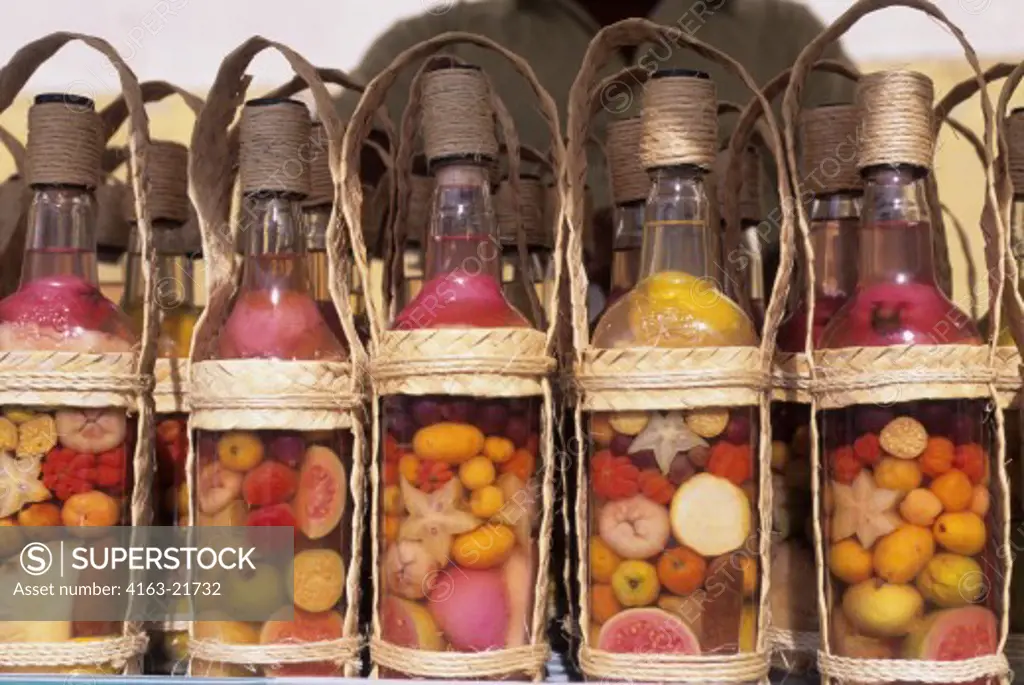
(175, 329)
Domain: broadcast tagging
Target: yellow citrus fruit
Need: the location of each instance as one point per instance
(477, 473)
(900, 555)
(920, 507)
(952, 580)
(849, 561)
(486, 547)
(954, 490)
(962, 532)
(897, 474)
(603, 561)
(636, 583)
(882, 609)
(486, 502)
(498, 449)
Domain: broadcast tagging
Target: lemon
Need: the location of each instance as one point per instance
(952, 580)
(677, 309)
(882, 609)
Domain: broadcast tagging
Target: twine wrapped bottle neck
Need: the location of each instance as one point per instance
(828, 143)
(895, 111)
(274, 147)
(458, 120)
(168, 184)
(1015, 143)
(629, 180)
(680, 121)
(64, 141)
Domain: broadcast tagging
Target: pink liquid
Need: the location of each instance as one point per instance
(794, 332)
(899, 314)
(459, 299)
(275, 318)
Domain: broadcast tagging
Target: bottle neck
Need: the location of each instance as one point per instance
(628, 219)
(895, 235)
(275, 245)
(61, 236)
(173, 270)
(835, 220)
(676, 224)
(316, 219)
(463, 234)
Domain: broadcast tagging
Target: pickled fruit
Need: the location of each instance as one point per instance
(461, 502)
(909, 539)
(653, 541)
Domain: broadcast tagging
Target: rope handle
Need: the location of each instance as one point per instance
(751, 125)
(211, 182)
(790, 112)
(373, 98)
(998, 209)
(605, 44)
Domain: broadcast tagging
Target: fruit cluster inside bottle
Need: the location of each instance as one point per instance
(66, 467)
(911, 536)
(283, 478)
(460, 510)
(673, 551)
(793, 567)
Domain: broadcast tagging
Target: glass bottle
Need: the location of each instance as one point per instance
(468, 516)
(413, 258)
(538, 252)
(834, 215)
(316, 216)
(292, 478)
(908, 484)
(658, 466)
(58, 307)
(177, 311)
(626, 246)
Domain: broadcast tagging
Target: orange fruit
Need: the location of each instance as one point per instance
(681, 570)
(954, 490)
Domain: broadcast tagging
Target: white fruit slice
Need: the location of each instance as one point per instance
(710, 515)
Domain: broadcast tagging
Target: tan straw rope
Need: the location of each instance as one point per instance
(895, 108)
(1015, 147)
(168, 183)
(628, 179)
(680, 122)
(824, 133)
(456, 115)
(63, 144)
(321, 185)
(530, 213)
(273, 138)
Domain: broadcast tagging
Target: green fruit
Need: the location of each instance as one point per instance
(952, 580)
(257, 594)
(882, 609)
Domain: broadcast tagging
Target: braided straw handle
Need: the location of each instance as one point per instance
(581, 106)
(998, 209)
(373, 99)
(15, 74)
(790, 112)
(114, 114)
(750, 124)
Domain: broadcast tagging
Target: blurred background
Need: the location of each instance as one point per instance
(183, 41)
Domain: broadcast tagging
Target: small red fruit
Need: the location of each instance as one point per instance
(269, 483)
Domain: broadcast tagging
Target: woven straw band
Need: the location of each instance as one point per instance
(116, 651)
(341, 651)
(628, 179)
(483, 362)
(531, 213)
(529, 659)
(170, 391)
(791, 377)
(900, 373)
(64, 144)
(458, 120)
(676, 668)
(658, 378)
(849, 669)
(794, 640)
(263, 393)
(1008, 376)
(828, 144)
(321, 186)
(680, 122)
(168, 182)
(1015, 142)
(273, 143)
(70, 379)
(895, 112)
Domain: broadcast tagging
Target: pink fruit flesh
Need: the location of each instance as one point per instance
(64, 303)
(275, 515)
(647, 631)
(471, 608)
(459, 299)
(319, 503)
(278, 324)
(957, 634)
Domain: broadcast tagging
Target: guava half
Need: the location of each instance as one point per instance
(647, 631)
